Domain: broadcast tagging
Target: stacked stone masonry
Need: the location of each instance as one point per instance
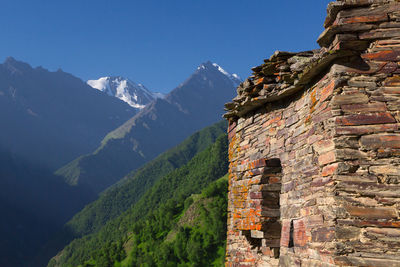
(314, 149)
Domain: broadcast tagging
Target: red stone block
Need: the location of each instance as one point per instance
(364, 19)
(371, 213)
(259, 81)
(285, 233)
(273, 120)
(330, 169)
(359, 130)
(232, 125)
(387, 55)
(381, 141)
(300, 238)
(370, 107)
(364, 119)
(327, 158)
(274, 179)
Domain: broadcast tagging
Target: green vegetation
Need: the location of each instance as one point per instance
(146, 235)
(181, 234)
(122, 196)
(71, 171)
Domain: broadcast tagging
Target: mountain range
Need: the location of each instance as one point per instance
(53, 117)
(108, 132)
(162, 124)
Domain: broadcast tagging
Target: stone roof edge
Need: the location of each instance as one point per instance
(335, 44)
(311, 71)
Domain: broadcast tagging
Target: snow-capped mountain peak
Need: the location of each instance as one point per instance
(136, 95)
(236, 80)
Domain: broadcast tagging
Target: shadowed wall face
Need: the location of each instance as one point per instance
(319, 130)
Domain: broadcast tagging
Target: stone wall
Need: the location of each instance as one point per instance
(315, 148)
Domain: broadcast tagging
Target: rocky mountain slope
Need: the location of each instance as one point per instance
(162, 124)
(53, 117)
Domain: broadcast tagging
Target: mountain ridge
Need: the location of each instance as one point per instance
(162, 124)
(58, 110)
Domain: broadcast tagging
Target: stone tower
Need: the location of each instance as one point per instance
(315, 148)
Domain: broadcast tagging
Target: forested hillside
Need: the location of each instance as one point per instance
(122, 240)
(188, 233)
(128, 191)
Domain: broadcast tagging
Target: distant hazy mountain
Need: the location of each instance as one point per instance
(53, 117)
(34, 204)
(136, 95)
(162, 124)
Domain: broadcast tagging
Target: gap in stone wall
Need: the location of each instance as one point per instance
(270, 233)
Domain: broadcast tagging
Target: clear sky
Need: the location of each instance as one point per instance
(155, 42)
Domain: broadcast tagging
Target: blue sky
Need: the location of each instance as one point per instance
(157, 43)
